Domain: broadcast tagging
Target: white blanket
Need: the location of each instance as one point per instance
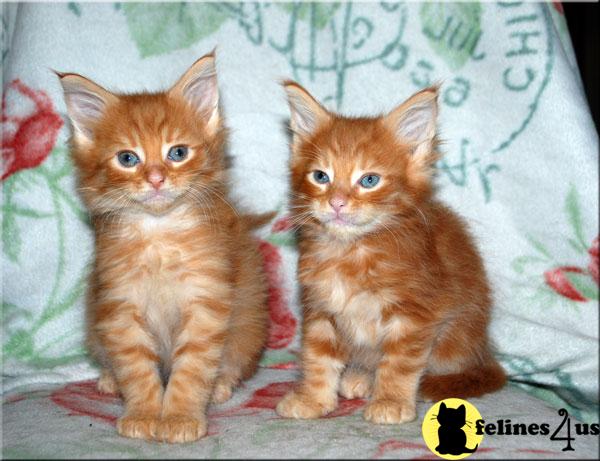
(521, 156)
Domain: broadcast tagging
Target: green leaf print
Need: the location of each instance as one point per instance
(452, 29)
(11, 311)
(584, 284)
(11, 237)
(275, 357)
(318, 13)
(287, 239)
(158, 28)
(21, 336)
(539, 246)
(19, 345)
(574, 214)
(74, 8)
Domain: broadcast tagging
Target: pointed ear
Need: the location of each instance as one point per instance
(442, 406)
(306, 113)
(86, 103)
(414, 122)
(199, 88)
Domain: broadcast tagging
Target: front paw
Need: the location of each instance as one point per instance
(390, 412)
(138, 426)
(296, 405)
(180, 429)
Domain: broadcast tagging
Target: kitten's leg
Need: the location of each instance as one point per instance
(195, 362)
(246, 337)
(355, 383)
(322, 364)
(405, 350)
(224, 385)
(107, 383)
(134, 362)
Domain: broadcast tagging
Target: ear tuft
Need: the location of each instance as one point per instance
(415, 121)
(306, 113)
(86, 103)
(199, 88)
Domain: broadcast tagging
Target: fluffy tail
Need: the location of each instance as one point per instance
(471, 383)
(254, 221)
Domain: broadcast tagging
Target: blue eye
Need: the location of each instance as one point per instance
(369, 180)
(321, 177)
(177, 153)
(128, 159)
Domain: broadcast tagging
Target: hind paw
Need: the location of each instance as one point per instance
(222, 392)
(106, 383)
(355, 385)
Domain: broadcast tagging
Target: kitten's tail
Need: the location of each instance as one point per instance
(254, 221)
(473, 382)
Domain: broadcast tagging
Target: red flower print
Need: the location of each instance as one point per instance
(284, 366)
(535, 451)
(593, 265)
(282, 224)
(559, 282)
(29, 127)
(558, 7)
(394, 445)
(265, 398)
(346, 407)
(269, 396)
(283, 322)
(83, 399)
(15, 398)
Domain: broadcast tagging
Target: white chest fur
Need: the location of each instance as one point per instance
(164, 273)
(357, 312)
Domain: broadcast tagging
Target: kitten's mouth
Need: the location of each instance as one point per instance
(157, 201)
(155, 197)
(340, 221)
(346, 225)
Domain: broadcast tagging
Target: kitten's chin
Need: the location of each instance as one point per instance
(159, 207)
(347, 231)
(158, 203)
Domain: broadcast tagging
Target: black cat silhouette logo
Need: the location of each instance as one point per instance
(449, 429)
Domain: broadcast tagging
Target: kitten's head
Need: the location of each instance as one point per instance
(149, 151)
(452, 417)
(354, 175)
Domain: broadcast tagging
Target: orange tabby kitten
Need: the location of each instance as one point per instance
(177, 300)
(395, 296)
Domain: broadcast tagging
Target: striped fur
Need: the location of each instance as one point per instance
(176, 307)
(395, 299)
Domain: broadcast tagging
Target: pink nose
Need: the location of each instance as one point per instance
(156, 178)
(337, 202)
